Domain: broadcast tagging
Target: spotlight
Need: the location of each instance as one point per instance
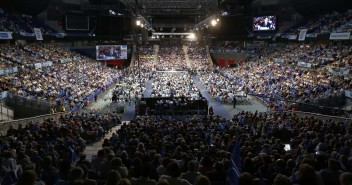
(142, 25)
(217, 19)
(214, 22)
(192, 36)
(138, 22)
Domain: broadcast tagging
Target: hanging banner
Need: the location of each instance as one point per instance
(5, 35)
(304, 64)
(348, 93)
(292, 37)
(8, 71)
(302, 34)
(279, 60)
(312, 35)
(38, 34)
(340, 36)
(3, 95)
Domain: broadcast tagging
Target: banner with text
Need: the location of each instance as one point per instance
(5, 35)
(312, 35)
(3, 95)
(348, 93)
(340, 36)
(302, 34)
(304, 64)
(279, 60)
(38, 34)
(292, 37)
(339, 71)
(44, 64)
(8, 71)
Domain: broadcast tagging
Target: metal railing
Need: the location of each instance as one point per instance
(6, 113)
(4, 126)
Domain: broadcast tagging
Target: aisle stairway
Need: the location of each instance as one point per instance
(93, 149)
(156, 53)
(209, 56)
(188, 62)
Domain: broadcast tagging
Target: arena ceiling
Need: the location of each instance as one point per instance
(174, 7)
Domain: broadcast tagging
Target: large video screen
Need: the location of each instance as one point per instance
(264, 23)
(111, 52)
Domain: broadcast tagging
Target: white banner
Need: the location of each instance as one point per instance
(8, 71)
(3, 95)
(348, 93)
(304, 64)
(44, 64)
(38, 34)
(279, 60)
(312, 35)
(292, 37)
(340, 36)
(5, 35)
(302, 34)
(339, 71)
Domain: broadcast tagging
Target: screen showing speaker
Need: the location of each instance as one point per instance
(111, 52)
(264, 23)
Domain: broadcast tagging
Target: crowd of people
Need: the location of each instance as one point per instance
(315, 54)
(171, 58)
(228, 47)
(331, 22)
(47, 151)
(174, 84)
(274, 148)
(22, 24)
(61, 84)
(29, 54)
(274, 80)
(130, 87)
(198, 56)
(146, 57)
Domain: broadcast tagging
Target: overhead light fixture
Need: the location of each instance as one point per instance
(217, 19)
(192, 36)
(138, 22)
(214, 22)
(142, 25)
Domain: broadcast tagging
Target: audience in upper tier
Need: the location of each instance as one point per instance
(332, 22)
(32, 53)
(146, 58)
(274, 80)
(68, 84)
(171, 58)
(23, 25)
(198, 56)
(227, 47)
(315, 54)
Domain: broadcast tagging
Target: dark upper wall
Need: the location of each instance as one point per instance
(318, 7)
(30, 7)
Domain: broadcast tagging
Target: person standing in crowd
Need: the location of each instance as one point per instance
(211, 111)
(234, 102)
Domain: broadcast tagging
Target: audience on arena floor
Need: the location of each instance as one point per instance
(174, 84)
